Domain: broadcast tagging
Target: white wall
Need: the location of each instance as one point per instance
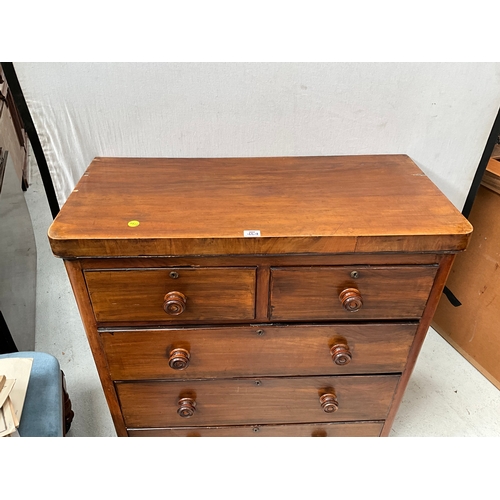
(439, 114)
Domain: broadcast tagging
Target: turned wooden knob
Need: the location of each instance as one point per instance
(329, 403)
(174, 303)
(187, 407)
(179, 359)
(341, 354)
(351, 300)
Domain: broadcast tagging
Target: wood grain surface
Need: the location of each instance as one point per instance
(312, 293)
(425, 321)
(262, 260)
(85, 308)
(135, 295)
(256, 401)
(342, 429)
(187, 317)
(474, 327)
(491, 177)
(193, 206)
(260, 350)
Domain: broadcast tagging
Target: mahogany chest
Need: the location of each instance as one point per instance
(256, 296)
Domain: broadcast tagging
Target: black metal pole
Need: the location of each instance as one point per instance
(29, 126)
(483, 163)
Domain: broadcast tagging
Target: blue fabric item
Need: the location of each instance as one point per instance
(43, 407)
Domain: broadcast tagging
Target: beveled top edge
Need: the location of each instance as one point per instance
(318, 203)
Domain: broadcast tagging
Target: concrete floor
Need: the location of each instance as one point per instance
(446, 396)
(18, 260)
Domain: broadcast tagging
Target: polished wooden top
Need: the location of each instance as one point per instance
(188, 206)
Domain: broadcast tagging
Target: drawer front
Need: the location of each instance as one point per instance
(341, 429)
(263, 350)
(255, 401)
(349, 293)
(174, 294)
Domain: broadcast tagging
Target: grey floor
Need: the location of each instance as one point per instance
(446, 396)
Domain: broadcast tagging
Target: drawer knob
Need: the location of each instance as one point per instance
(341, 354)
(187, 407)
(174, 303)
(351, 300)
(179, 359)
(329, 403)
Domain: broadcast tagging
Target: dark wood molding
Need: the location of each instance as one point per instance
(16, 119)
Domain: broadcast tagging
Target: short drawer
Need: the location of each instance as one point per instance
(256, 401)
(262, 350)
(349, 293)
(340, 429)
(173, 294)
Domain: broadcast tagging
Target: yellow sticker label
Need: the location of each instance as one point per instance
(133, 223)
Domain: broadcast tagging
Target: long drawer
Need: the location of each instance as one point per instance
(261, 350)
(256, 401)
(338, 429)
(174, 294)
(349, 293)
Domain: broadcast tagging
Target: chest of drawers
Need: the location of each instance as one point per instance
(256, 296)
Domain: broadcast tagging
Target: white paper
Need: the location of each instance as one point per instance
(18, 369)
(251, 233)
(6, 390)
